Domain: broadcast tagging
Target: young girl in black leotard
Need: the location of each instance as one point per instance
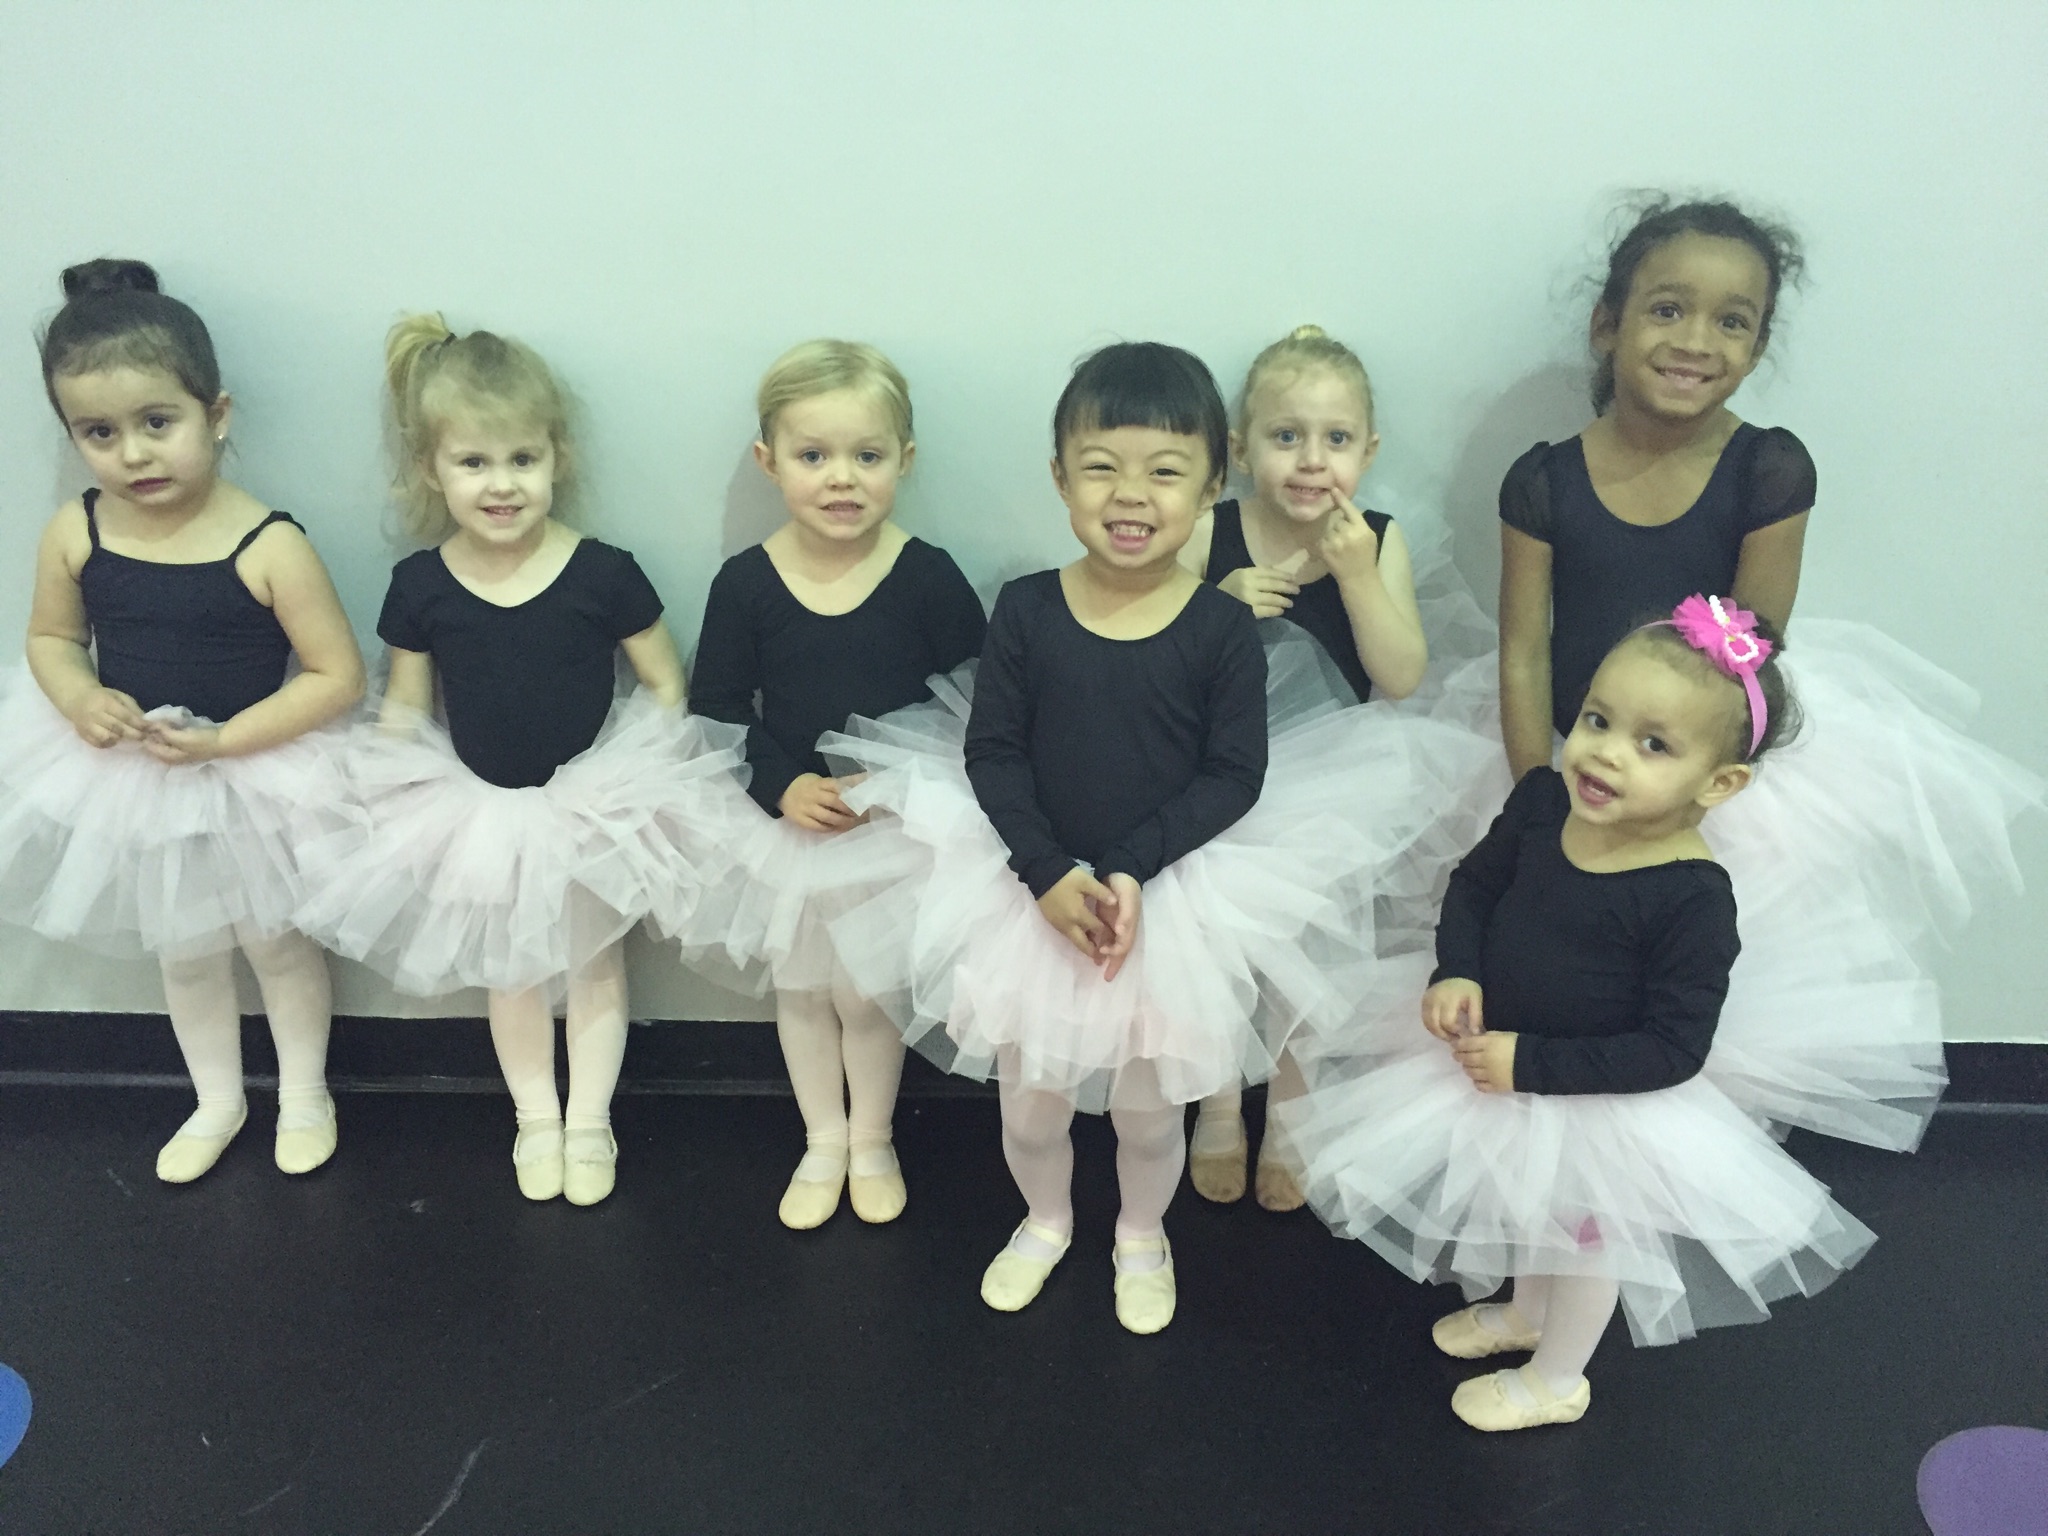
(160, 775)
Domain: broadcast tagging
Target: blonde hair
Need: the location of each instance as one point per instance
(1305, 347)
(435, 377)
(814, 368)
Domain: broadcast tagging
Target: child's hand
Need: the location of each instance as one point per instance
(105, 716)
(180, 744)
(1489, 1060)
(813, 803)
(1072, 908)
(1453, 1009)
(1266, 591)
(1126, 896)
(1348, 547)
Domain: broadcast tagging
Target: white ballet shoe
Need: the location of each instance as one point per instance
(305, 1147)
(537, 1159)
(590, 1166)
(184, 1158)
(876, 1197)
(1463, 1336)
(1013, 1280)
(1485, 1403)
(1145, 1298)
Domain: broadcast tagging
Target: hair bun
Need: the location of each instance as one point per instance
(109, 274)
(1307, 333)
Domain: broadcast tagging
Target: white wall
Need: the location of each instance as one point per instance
(662, 196)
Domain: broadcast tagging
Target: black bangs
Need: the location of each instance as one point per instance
(1145, 384)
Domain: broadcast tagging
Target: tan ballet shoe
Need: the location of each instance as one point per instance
(184, 1158)
(1145, 1298)
(1483, 1402)
(1463, 1336)
(809, 1203)
(1013, 1280)
(1219, 1176)
(1278, 1187)
(589, 1166)
(304, 1148)
(876, 1197)
(537, 1159)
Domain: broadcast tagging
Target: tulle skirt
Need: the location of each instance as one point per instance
(1677, 1194)
(450, 881)
(1261, 935)
(1859, 846)
(109, 848)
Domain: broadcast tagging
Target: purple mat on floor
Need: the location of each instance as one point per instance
(1987, 1482)
(13, 1412)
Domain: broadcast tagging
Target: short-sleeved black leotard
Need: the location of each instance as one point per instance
(1122, 754)
(1607, 576)
(191, 635)
(1612, 982)
(525, 687)
(813, 671)
(1318, 606)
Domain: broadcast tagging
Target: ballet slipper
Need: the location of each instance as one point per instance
(1013, 1280)
(1463, 1336)
(809, 1203)
(305, 1147)
(876, 1197)
(1145, 1297)
(184, 1158)
(1219, 1176)
(1278, 1188)
(537, 1159)
(589, 1165)
(1484, 1403)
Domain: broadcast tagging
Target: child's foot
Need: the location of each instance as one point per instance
(874, 1182)
(1279, 1180)
(200, 1142)
(813, 1193)
(1492, 1328)
(537, 1159)
(1216, 1156)
(1518, 1399)
(1017, 1274)
(1145, 1290)
(307, 1131)
(590, 1161)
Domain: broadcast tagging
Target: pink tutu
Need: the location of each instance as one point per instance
(450, 881)
(1856, 850)
(1677, 1194)
(1258, 936)
(109, 848)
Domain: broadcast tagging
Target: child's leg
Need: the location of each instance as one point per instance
(1217, 1151)
(596, 1031)
(298, 998)
(808, 1028)
(1279, 1185)
(1575, 1315)
(1552, 1387)
(199, 995)
(1531, 1300)
(523, 1031)
(1149, 1149)
(871, 1052)
(1039, 1147)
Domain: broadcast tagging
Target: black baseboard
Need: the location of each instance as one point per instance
(662, 1056)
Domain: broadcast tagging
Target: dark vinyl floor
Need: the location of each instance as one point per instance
(400, 1344)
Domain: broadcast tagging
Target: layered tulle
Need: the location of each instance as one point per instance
(449, 881)
(1260, 935)
(1678, 1194)
(109, 848)
(1859, 848)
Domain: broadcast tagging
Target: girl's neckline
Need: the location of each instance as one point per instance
(1634, 869)
(881, 581)
(1066, 607)
(1721, 462)
(575, 553)
(101, 547)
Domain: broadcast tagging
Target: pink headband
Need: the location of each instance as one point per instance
(1726, 635)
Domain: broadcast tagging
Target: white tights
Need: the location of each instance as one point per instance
(523, 1030)
(1039, 1147)
(1571, 1312)
(845, 1061)
(206, 1016)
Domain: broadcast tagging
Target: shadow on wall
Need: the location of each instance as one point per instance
(1544, 407)
(753, 507)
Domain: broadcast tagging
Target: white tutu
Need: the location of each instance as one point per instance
(451, 881)
(1677, 1194)
(1261, 933)
(1858, 846)
(109, 848)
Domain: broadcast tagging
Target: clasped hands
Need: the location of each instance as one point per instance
(107, 716)
(1097, 917)
(1453, 1010)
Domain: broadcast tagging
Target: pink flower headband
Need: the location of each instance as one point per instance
(1726, 635)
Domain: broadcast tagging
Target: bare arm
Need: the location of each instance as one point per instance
(1767, 573)
(1386, 626)
(60, 639)
(652, 656)
(1524, 649)
(408, 692)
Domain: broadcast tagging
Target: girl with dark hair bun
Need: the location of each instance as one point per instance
(162, 769)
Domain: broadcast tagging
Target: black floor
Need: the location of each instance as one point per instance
(399, 1344)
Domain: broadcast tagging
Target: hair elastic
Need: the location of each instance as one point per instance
(1726, 635)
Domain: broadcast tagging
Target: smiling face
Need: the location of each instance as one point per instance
(1133, 493)
(1650, 751)
(498, 479)
(143, 437)
(837, 460)
(1307, 437)
(1686, 337)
